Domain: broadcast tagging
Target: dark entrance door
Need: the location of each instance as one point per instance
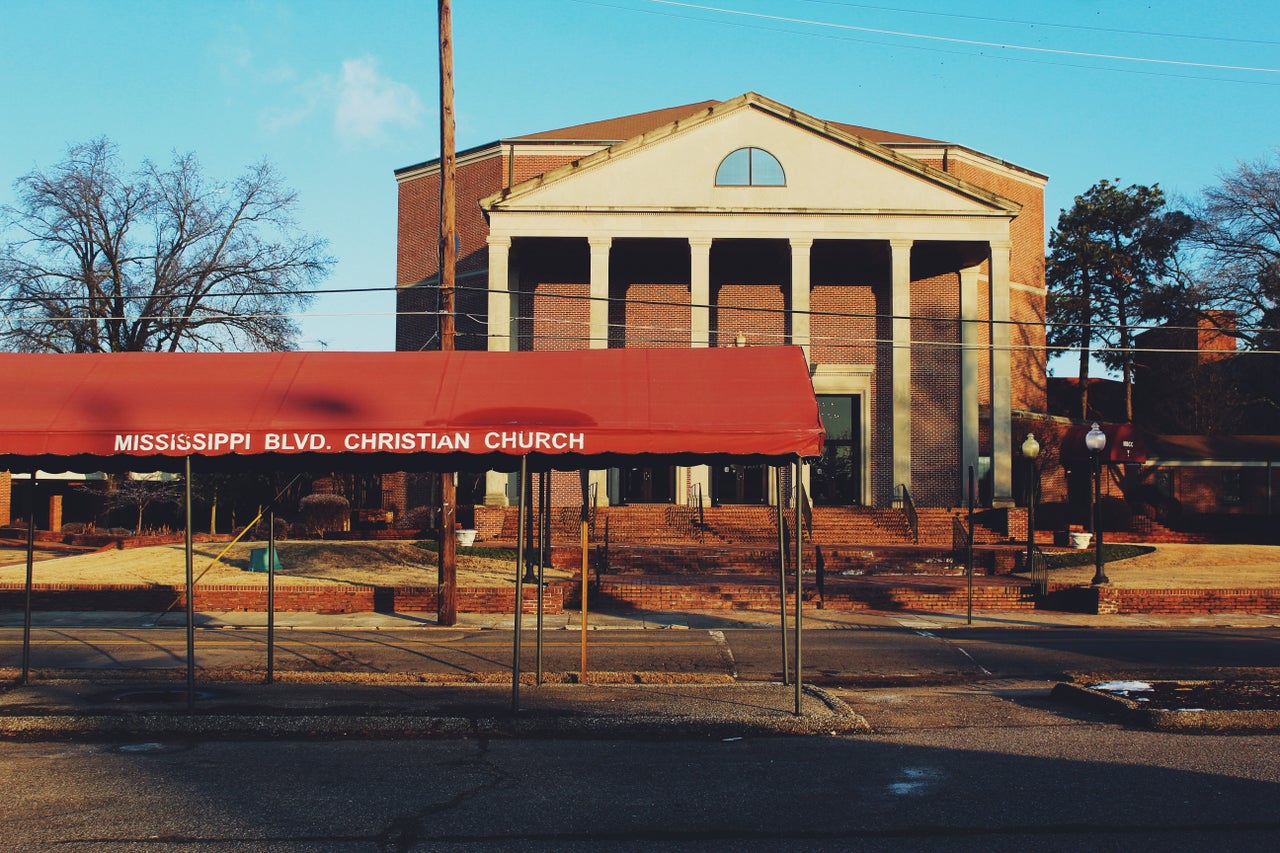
(837, 478)
(740, 484)
(649, 484)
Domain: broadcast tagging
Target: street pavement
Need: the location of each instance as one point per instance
(228, 703)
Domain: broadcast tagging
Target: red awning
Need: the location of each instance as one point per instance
(417, 409)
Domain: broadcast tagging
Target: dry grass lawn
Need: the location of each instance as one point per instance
(381, 563)
(400, 563)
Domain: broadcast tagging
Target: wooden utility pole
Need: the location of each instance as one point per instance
(447, 575)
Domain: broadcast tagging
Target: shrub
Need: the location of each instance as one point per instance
(74, 528)
(419, 518)
(320, 512)
(259, 531)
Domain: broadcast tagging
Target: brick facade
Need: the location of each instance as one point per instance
(651, 281)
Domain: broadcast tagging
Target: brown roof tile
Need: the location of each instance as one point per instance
(627, 127)
(618, 129)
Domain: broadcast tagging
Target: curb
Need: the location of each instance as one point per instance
(697, 711)
(1164, 719)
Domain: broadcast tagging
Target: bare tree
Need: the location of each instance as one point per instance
(124, 492)
(1236, 255)
(158, 259)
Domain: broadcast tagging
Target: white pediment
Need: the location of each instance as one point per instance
(675, 170)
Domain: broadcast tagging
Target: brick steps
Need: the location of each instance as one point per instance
(893, 594)
(837, 560)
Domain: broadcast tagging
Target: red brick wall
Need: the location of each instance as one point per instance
(737, 309)
(6, 500)
(657, 315)
(561, 316)
(935, 390)
(288, 599)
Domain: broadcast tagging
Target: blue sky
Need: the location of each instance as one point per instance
(337, 95)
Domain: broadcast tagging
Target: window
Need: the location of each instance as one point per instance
(750, 167)
(1231, 486)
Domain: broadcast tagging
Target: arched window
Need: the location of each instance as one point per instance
(750, 167)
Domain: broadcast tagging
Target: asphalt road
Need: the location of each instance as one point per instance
(880, 655)
(1029, 777)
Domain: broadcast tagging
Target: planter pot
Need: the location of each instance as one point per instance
(466, 538)
(1080, 541)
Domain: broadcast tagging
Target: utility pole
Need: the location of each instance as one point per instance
(447, 573)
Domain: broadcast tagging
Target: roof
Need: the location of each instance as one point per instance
(613, 130)
(618, 129)
(406, 410)
(625, 127)
(752, 100)
(1217, 448)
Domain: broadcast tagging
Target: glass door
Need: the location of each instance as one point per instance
(836, 479)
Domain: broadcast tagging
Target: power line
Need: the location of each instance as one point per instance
(896, 45)
(1050, 24)
(970, 42)
(1243, 330)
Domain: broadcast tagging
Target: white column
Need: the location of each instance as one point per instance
(599, 329)
(500, 338)
(900, 306)
(969, 361)
(499, 294)
(1001, 378)
(800, 290)
(699, 336)
(699, 292)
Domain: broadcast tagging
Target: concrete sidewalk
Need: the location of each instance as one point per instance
(113, 710)
(643, 620)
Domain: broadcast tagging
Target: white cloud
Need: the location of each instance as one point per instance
(368, 103)
(364, 104)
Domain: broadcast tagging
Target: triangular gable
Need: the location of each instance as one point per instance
(827, 168)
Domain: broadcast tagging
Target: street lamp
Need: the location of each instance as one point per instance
(1030, 450)
(1096, 440)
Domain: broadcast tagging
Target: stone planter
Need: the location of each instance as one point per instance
(1080, 541)
(466, 538)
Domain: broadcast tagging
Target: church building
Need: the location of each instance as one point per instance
(910, 271)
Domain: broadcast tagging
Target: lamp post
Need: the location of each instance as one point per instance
(1030, 450)
(1096, 441)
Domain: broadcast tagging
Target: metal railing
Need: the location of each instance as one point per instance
(961, 541)
(1039, 571)
(806, 511)
(909, 509)
(702, 515)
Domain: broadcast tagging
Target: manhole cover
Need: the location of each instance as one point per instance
(158, 696)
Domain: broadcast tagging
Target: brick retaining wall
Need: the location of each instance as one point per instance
(309, 598)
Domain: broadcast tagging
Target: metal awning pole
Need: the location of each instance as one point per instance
(31, 562)
(519, 606)
(799, 577)
(584, 483)
(782, 574)
(271, 594)
(544, 552)
(191, 592)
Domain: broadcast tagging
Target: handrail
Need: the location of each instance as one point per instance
(592, 509)
(806, 510)
(702, 515)
(913, 517)
(1039, 571)
(960, 538)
